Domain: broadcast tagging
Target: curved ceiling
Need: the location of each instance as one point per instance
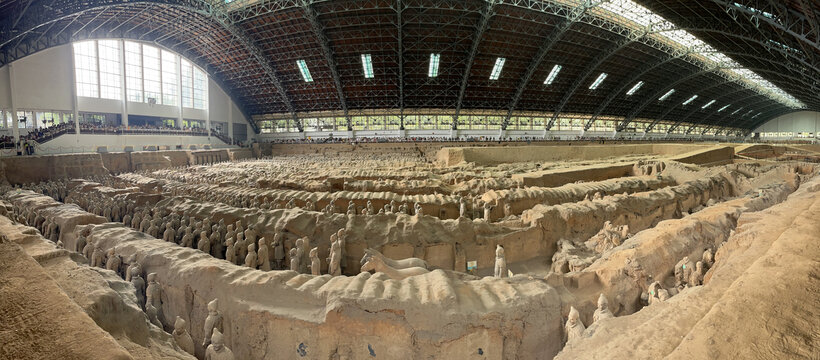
(251, 48)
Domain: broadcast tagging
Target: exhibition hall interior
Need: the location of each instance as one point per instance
(409, 179)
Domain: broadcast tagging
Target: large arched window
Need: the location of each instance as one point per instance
(151, 75)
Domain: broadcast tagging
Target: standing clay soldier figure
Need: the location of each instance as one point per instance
(114, 261)
(263, 257)
(169, 235)
(335, 257)
(139, 286)
(212, 322)
(500, 262)
(204, 243)
(696, 277)
(707, 259)
(341, 237)
(603, 311)
(462, 207)
(217, 350)
(188, 238)
(417, 208)
(251, 259)
(315, 263)
(230, 251)
(370, 210)
(683, 269)
(488, 208)
(97, 257)
(153, 314)
(182, 337)
(574, 328)
(294, 260)
(88, 250)
(133, 268)
(217, 246)
(351, 208)
(278, 252)
(153, 293)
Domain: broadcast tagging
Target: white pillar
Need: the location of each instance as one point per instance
(179, 90)
(230, 121)
(15, 130)
(74, 102)
(123, 88)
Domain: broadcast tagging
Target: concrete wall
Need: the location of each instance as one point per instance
(84, 143)
(43, 81)
(797, 122)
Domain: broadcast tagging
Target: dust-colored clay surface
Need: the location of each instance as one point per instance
(502, 241)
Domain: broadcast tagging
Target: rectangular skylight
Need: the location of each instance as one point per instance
(598, 81)
(736, 111)
(724, 108)
(758, 114)
(553, 74)
(367, 66)
(690, 100)
(432, 71)
(709, 104)
(304, 70)
(667, 95)
(496, 73)
(634, 89)
(640, 17)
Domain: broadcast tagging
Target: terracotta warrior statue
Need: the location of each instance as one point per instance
(217, 349)
(212, 322)
(500, 262)
(182, 337)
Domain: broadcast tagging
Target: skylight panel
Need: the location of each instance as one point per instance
(304, 70)
(736, 111)
(553, 74)
(724, 108)
(690, 100)
(761, 12)
(499, 64)
(432, 71)
(598, 81)
(634, 89)
(667, 95)
(709, 104)
(758, 114)
(639, 17)
(367, 66)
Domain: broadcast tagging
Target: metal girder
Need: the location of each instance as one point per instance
(483, 24)
(588, 70)
(630, 82)
(318, 30)
(695, 108)
(400, 59)
(543, 50)
(201, 7)
(708, 123)
(654, 97)
(789, 22)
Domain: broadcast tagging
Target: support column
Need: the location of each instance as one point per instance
(230, 121)
(15, 129)
(123, 89)
(74, 101)
(179, 92)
